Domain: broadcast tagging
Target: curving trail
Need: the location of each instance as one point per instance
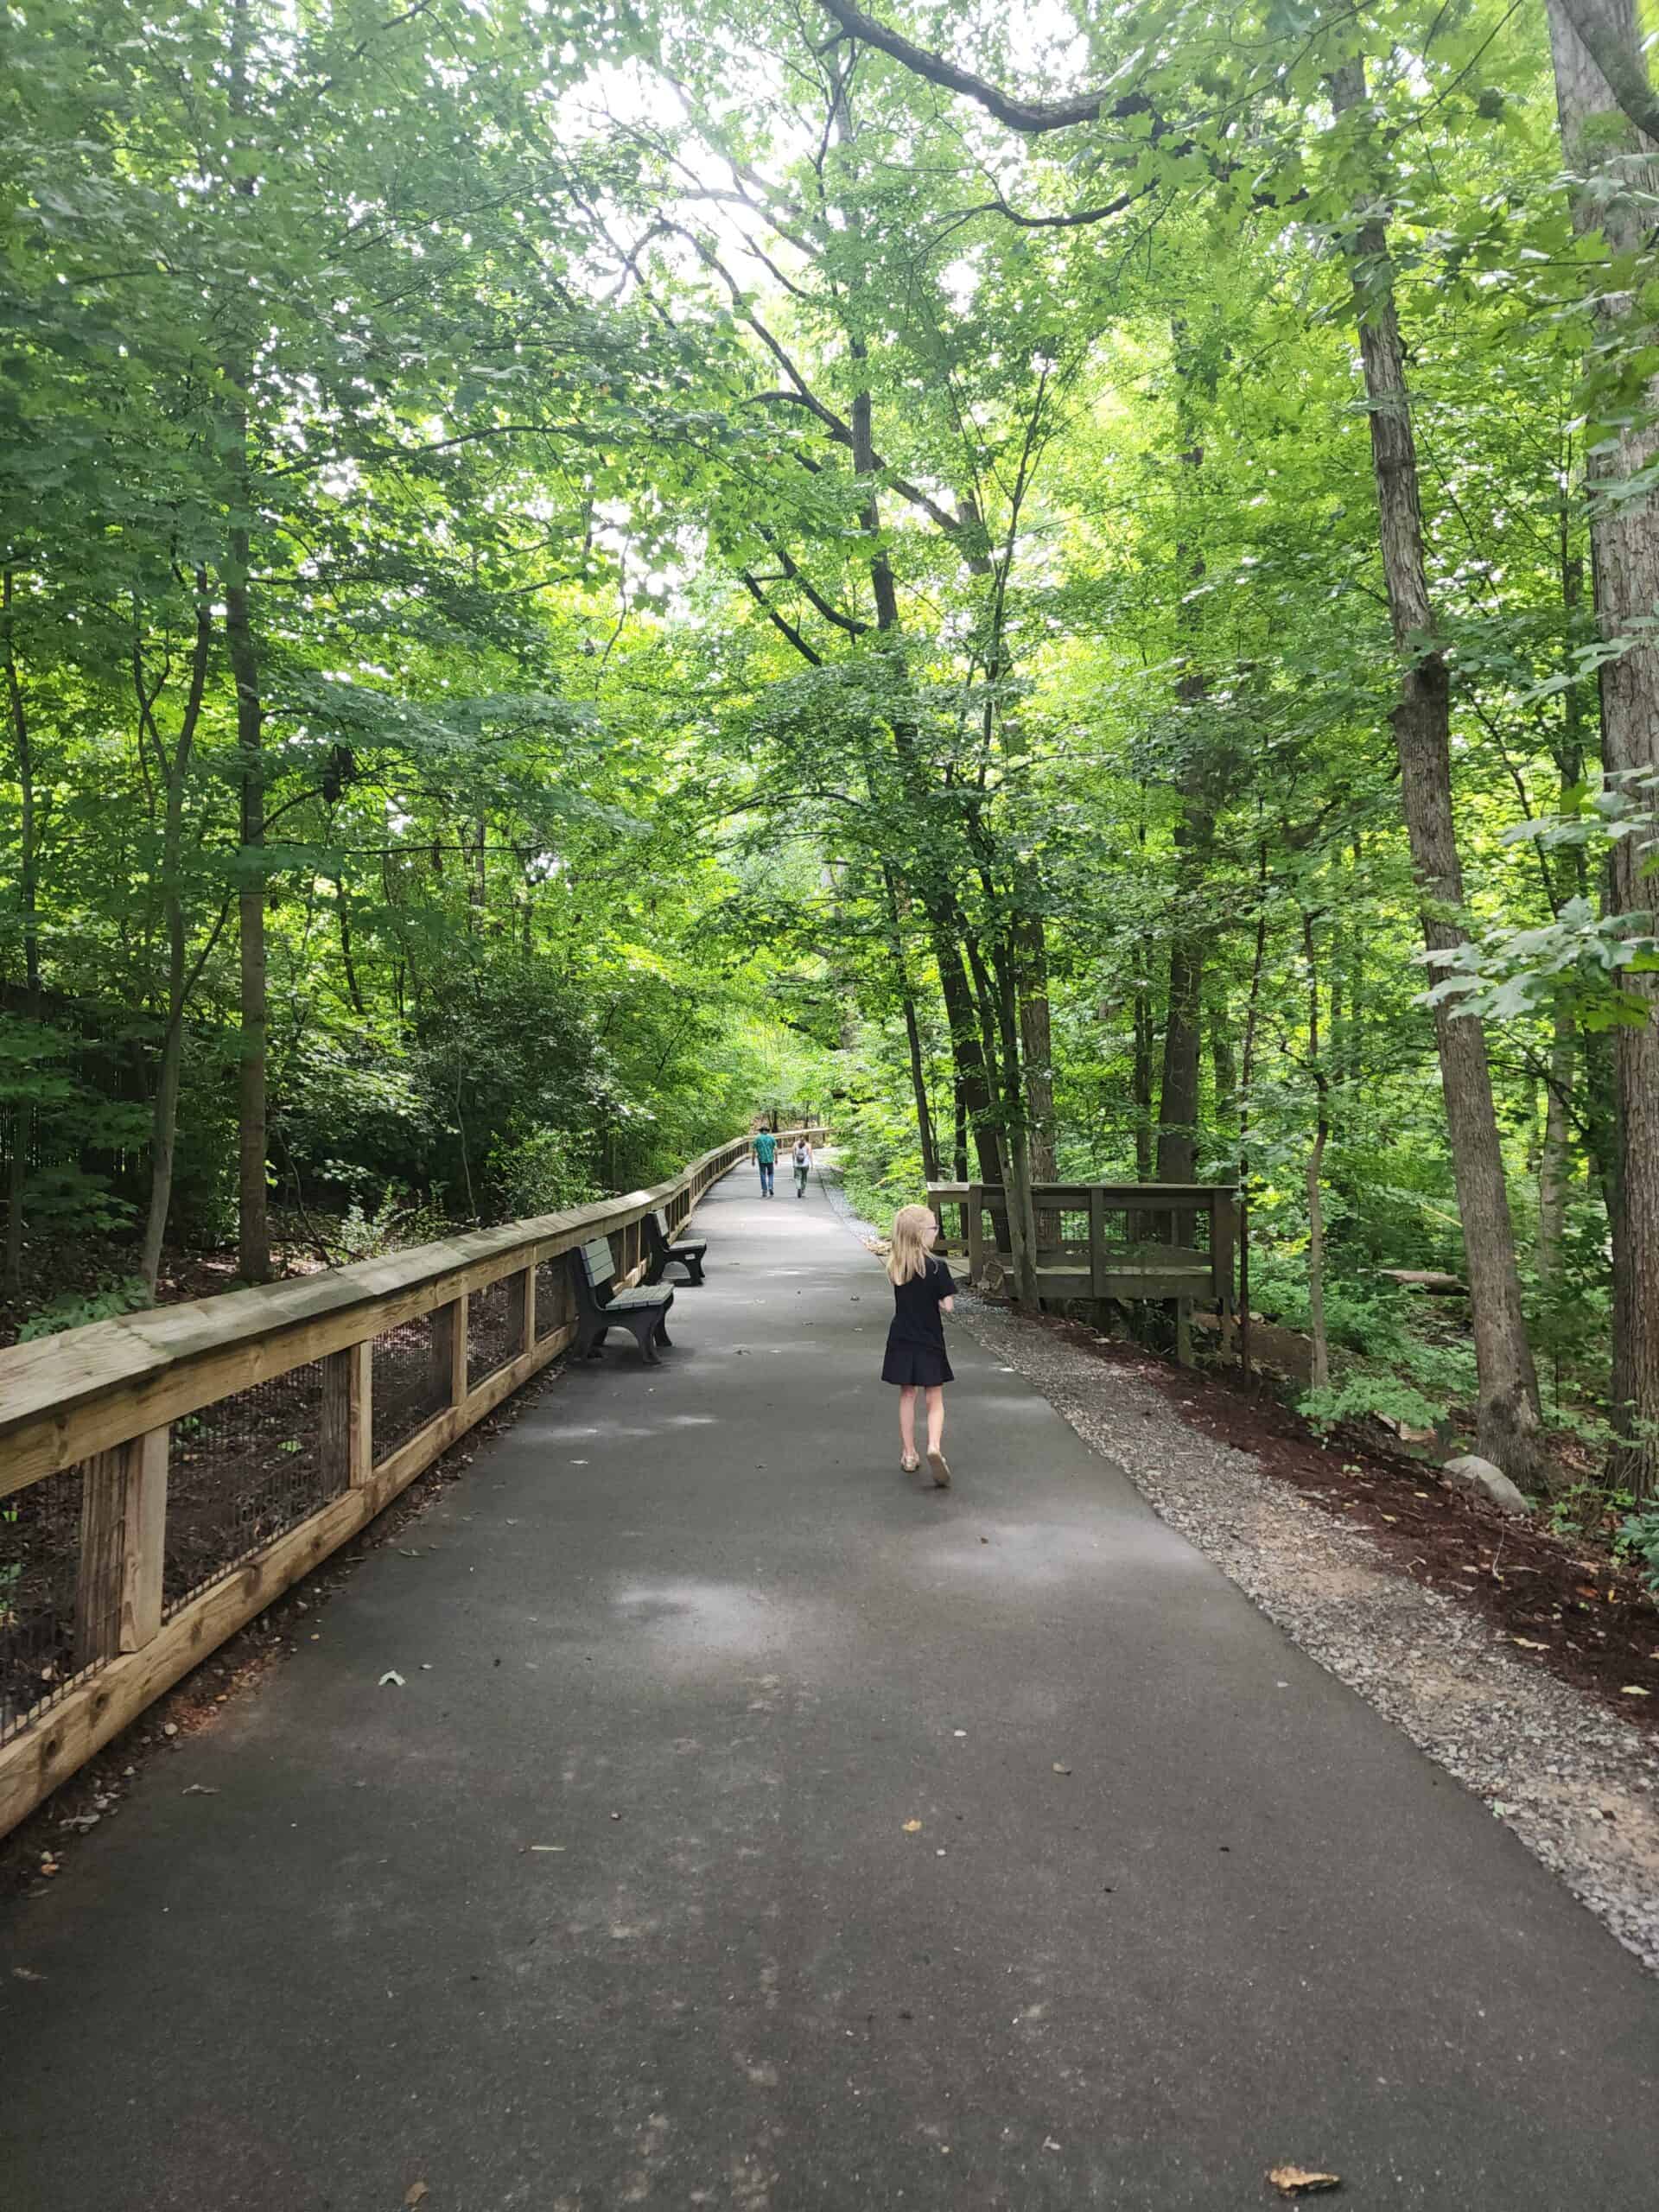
(693, 1633)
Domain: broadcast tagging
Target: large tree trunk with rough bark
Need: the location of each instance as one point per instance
(1509, 1418)
(1624, 539)
(1178, 1106)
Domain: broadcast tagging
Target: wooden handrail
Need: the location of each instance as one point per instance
(103, 1398)
(67, 1396)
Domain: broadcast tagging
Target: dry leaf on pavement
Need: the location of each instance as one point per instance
(1297, 2181)
(912, 1827)
(416, 2191)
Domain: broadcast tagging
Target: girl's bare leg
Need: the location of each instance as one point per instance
(935, 1459)
(907, 1419)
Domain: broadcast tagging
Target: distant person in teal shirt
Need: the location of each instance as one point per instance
(766, 1151)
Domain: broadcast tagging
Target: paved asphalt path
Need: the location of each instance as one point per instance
(1179, 1907)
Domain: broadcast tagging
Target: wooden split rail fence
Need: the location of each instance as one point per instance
(1169, 1242)
(165, 1476)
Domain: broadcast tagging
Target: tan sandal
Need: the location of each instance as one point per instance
(937, 1461)
(908, 1463)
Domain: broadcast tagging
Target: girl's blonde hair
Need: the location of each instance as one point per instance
(913, 1233)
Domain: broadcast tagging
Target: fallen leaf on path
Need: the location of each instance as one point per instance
(547, 1846)
(1526, 1643)
(26, 1973)
(1635, 1690)
(1061, 1769)
(198, 1789)
(416, 2191)
(1297, 2181)
(392, 1674)
(912, 1827)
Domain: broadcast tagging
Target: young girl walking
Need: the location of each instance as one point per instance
(922, 1290)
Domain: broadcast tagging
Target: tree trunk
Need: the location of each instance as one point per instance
(253, 1239)
(1320, 1370)
(22, 1117)
(174, 768)
(1037, 1050)
(1178, 1104)
(1509, 1420)
(999, 997)
(1037, 1041)
(1140, 1081)
(1178, 1101)
(1625, 541)
(1553, 1153)
(913, 1031)
(968, 1057)
(1223, 1071)
(1246, 1077)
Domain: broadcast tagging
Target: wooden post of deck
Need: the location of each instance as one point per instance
(347, 1441)
(975, 1230)
(521, 1309)
(123, 1537)
(1097, 1242)
(448, 1367)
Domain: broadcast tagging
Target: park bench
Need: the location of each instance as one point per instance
(665, 1250)
(600, 1306)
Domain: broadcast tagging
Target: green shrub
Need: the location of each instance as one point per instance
(114, 1295)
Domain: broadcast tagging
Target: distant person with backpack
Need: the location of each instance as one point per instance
(802, 1161)
(764, 1148)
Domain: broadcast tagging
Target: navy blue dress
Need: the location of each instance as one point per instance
(916, 1356)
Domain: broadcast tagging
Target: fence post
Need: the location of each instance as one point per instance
(347, 1439)
(448, 1369)
(123, 1537)
(1096, 1241)
(1224, 1259)
(521, 1308)
(975, 1230)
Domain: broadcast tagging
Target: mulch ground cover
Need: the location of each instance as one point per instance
(1561, 1601)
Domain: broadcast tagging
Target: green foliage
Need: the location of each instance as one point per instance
(1382, 1395)
(114, 1296)
(1639, 1539)
(837, 630)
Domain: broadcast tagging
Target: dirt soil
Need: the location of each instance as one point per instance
(1561, 1601)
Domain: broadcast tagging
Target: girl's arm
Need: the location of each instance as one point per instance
(947, 1306)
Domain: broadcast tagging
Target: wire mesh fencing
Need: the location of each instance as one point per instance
(556, 1304)
(411, 1383)
(56, 1620)
(494, 1322)
(242, 1472)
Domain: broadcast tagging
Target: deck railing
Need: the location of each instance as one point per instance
(165, 1476)
(1164, 1242)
